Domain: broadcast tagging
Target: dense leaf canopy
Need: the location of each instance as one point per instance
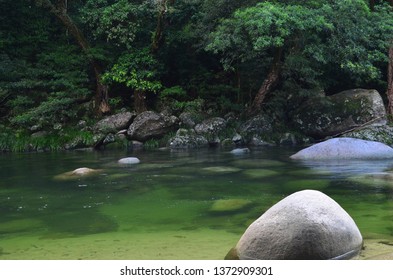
(219, 51)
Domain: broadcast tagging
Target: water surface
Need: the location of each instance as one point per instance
(173, 205)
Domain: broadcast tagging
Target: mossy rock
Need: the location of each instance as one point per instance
(340, 113)
(260, 173)
(230, 205)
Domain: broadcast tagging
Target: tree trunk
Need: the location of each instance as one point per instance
(389, 91)
(162, 7)
(372, 4)
(140, 101)
(60, 11)
(269, 83)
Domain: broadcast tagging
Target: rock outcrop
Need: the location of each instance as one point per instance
(114, 123)
(329, 116)
(150, 125)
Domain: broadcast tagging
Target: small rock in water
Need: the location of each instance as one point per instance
(240, 151)
(129, 160)
(77, 173)
(83, 171)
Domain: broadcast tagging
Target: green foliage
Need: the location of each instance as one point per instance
(117, 22)
(137, 70)
(46, 91)
(212, 54)
(254, 31)
(331, 40)
(176, 92)
(22, 141)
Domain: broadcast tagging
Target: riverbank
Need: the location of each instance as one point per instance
(201, 244)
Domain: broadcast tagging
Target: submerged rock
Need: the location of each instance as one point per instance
(129, 160)
(221, 169)
(345, 148)
(305, 225)
(77, 173)
(260, 173)
(240, 151)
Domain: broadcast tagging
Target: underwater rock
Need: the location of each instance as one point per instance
(377, 179)
(229, 205)
(240, 151)
(305, 225)
(77, 173)
(129, 160)
(221, 169)
(260, 173)
(345, 148)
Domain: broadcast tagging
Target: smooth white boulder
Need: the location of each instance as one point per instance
(345, 148)
(305, 225)
(129, 160)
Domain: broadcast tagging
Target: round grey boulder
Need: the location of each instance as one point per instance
(129, 160)
(345, 148)
(305, 225)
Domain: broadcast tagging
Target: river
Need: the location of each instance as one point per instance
(173, 205)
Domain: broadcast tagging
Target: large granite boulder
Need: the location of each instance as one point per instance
(212, 126)
(381, 133)
(187, 139)
(345, 148)
(114, 123)
(305, 225)
(329, 116)
(258, 126)
(211, 129)
(150, 125)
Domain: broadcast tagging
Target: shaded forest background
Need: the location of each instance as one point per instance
(62, 61)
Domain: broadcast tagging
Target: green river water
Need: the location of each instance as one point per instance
(173, 205)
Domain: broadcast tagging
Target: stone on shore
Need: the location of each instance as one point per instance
(345, 148)
(305, 225)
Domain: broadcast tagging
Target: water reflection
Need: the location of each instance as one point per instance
(345, 168)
